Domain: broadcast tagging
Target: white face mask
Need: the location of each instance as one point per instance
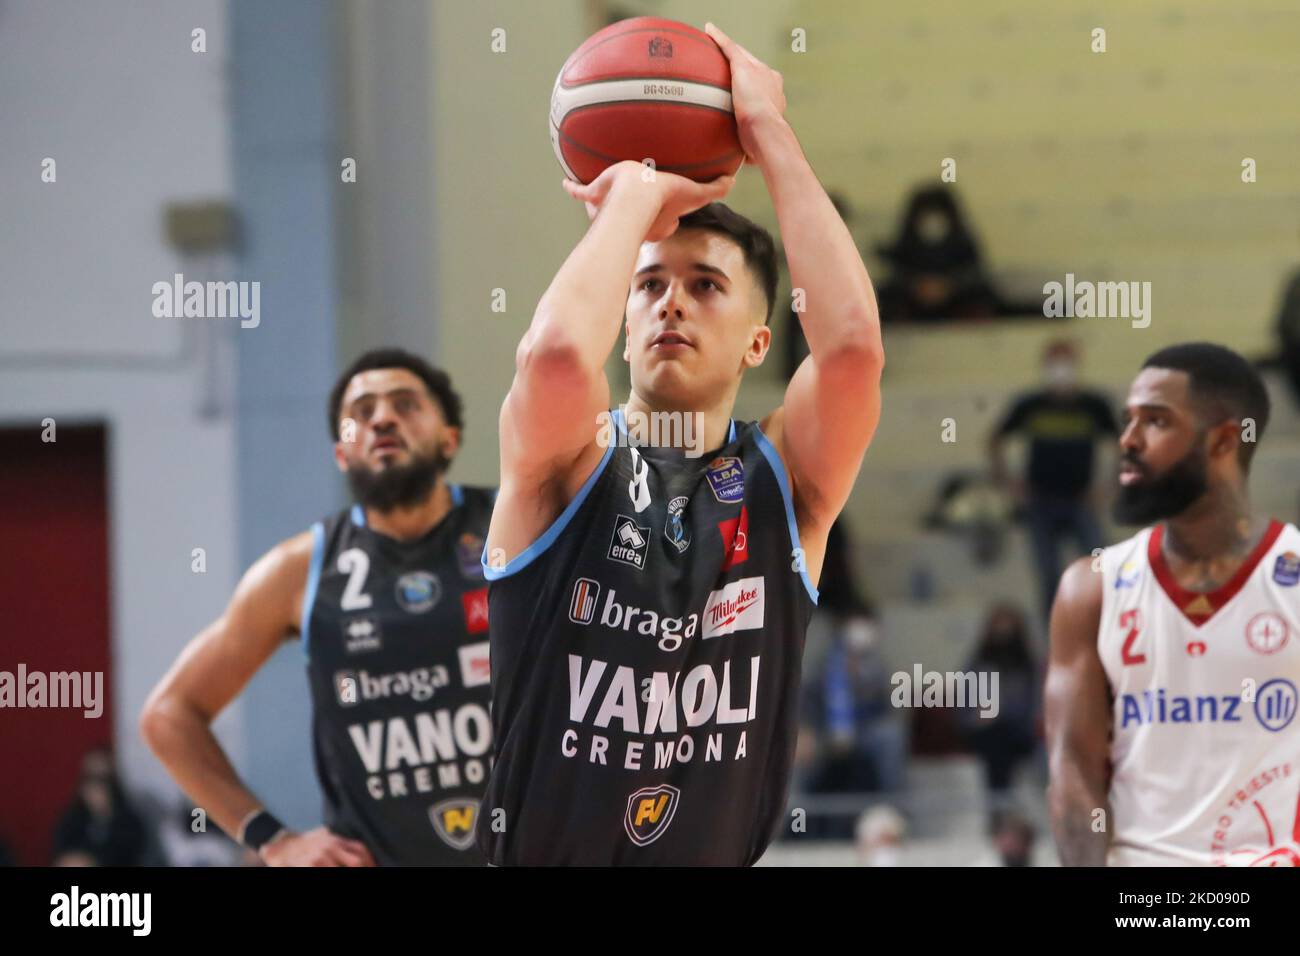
(934, 227)
(1059, 372)
(860, 634)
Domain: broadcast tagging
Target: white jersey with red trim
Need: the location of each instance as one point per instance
(1205, 744)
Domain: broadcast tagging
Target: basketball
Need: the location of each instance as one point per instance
(646, 89)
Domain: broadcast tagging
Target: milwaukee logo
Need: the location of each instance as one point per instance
(737, 607)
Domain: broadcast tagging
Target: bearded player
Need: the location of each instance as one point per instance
(649, 604)
(389, 604)
(1171, 691)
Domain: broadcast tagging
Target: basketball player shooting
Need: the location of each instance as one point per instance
(649, 605)
(391, 608)
(1171, 689)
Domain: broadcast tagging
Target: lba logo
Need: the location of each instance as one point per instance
(649, 811)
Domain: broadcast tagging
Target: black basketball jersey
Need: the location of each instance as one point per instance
(396, 637)
(645, 664)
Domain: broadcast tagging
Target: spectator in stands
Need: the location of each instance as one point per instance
(879, 836)
(1002, 742)
(1062, 422)
(100, 824)
(1013, 837)
(1288, 330)
(864, 742)
(937, 270)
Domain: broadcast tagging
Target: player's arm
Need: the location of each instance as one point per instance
(1078, 721)
(210, 672)
(550, 415)
(832, 404)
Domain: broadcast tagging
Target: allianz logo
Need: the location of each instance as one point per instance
(738, 606)
(353, 687)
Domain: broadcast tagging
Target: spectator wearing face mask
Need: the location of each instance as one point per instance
(1062, 422)
(1006, 738)
(100, 827)
(937, 269)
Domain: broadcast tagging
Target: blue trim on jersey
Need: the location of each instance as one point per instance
(457, 495)
(359, 516)
(774, 460)
(731, 432)
(495, 491)
(534, 550)
(313, 582)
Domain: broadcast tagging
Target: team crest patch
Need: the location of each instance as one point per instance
(649, 811)
(418, 591)
(469, 553)
(1286, 571)
(675, 530)
(735, 539)
(629, 543)
(454, 822)
(726, 477)
(1267, 633)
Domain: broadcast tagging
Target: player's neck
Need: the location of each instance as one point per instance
(410, 523)
(698, 429)
(1219, 525)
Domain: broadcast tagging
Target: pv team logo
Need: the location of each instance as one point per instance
(454, 821)
(726, 477)
(418, 591)
(361, 634)
(735, 539)
(475, 605)
(1275, 704)
(736, 607)
(649, 811)
(582, 606)
(629, 543)
(1267, 633)
(675, 529)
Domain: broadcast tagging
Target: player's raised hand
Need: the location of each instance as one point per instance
(675, 195)
(318, 847)
(757, 90)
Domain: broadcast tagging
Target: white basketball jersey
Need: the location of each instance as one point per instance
(1205, 745)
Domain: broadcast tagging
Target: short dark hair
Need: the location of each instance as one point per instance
(754, 241)
(435, 380)
(1222, 383)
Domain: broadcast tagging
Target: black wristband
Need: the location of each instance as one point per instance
(259, 830)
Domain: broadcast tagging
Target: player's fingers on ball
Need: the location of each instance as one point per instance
(727, 44)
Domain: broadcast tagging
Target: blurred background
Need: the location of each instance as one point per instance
(210, 138)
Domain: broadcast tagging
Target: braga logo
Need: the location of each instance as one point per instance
(736, 607)
(418, 591)
(629, 543)
(454, 822)
(353, 687)
(649, 811)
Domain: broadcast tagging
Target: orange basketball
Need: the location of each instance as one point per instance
(646, 89)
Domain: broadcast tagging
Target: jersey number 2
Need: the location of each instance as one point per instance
(1129, 619)
(355, 563)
